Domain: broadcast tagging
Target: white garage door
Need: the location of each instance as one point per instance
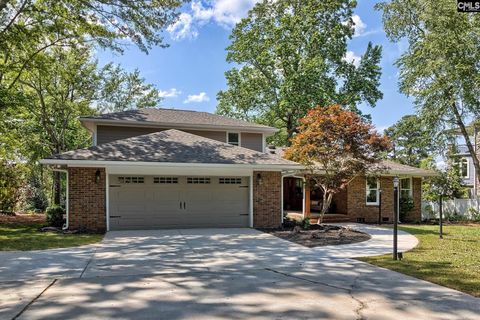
(149, 202)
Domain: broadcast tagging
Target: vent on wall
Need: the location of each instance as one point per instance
(198, 180)
(230, 180)
(360, 220)
(385, 219)
(131, 179)
(165, 180)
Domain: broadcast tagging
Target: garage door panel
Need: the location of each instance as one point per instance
(188, 203)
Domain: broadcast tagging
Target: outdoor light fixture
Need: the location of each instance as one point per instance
(395, 218)
(259, 179)
(395, 182)
(97, 176)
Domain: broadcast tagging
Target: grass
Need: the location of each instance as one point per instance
(25, 237)
(453, 262)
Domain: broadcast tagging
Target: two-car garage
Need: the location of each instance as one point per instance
(164, 201)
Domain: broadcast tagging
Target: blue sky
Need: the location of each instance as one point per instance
(191, 71)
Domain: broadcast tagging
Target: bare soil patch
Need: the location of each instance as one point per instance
(319, 235)
(22, 219)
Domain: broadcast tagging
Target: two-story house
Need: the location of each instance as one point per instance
(461, 158)
(166, 168)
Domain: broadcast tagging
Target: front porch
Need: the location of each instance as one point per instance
(301, 201)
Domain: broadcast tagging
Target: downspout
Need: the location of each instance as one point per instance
(65, 226)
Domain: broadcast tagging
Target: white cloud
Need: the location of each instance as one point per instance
(352, 58)
(360, 26)
(170, 93)
(224, 12)
(183, 28)
(201, 97)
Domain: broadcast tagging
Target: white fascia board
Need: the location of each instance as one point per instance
(390, 173)
(113, 164)
(128, 123)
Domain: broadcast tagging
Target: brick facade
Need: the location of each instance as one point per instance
(357, 207)
(267, 199)
(87, 199)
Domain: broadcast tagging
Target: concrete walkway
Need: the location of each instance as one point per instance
(220, 273)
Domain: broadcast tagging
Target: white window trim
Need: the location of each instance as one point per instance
(239, 138)
(468, 167)
(410, 191)
(376, 203)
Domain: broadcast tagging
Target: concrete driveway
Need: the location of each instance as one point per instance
(219, 273)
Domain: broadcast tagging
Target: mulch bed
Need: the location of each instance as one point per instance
(319, 235)
(21, 218)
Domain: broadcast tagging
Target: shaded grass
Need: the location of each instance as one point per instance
(453, 262)
(26, 237)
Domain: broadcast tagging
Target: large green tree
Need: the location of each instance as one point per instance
(440, 66)
(290, 56)
(61, 85)
(411, 140)
(28, 27)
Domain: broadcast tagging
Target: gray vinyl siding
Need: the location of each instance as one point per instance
(111, 133)
(214, 135)
(252, 141)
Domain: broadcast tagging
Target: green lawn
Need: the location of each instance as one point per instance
(453, 262)
(27, 237)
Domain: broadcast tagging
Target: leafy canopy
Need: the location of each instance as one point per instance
(289, 57)
(29, 27)
(411, 140)
(336, 145)
(440, 67)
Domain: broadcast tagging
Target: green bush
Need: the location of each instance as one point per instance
(406, 206)
(55, 216)
(474, 214)
(305, 223)
(35, 197)
(11, 182)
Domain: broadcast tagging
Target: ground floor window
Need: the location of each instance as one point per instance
(373, 188)
(405, 188)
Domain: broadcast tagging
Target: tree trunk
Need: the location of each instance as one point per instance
(327, 200)
(470, 147)
(290, 130)
(57, 188)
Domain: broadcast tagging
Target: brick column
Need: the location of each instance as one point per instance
(87, 198)
(267, 199)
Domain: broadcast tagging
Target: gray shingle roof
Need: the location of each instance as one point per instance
(172, 146)
(389, 167)
(394, 167)
(175, 117)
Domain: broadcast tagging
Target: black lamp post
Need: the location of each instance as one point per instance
(441, 216)
(395, 218)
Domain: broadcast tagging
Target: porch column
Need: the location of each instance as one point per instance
(306, 205)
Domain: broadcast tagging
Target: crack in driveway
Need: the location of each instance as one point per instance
(34, 299)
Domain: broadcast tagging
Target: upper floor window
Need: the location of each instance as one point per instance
(233, 138)
(373, 189)
(463, 167)
(405, 188)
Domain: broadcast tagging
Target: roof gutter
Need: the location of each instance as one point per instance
(102, 163)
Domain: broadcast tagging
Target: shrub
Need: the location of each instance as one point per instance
(473, 214)
(11, 179)
(406, 206)
(305, 223)
(55, 216)
(35, 197)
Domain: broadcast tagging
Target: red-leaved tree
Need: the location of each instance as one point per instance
(336, 145)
